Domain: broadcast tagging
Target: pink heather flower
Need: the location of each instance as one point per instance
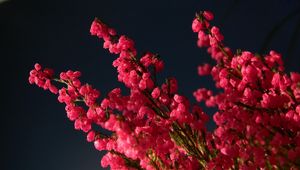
(90, 95)
(251, 96)
(155, 93)
(105, 103)
(290, 114)
(274, 60)
(146, 60)
(91, 136)
(178, 98)
(229, 151)
(295, 77)
(91, 114)
(217, 34)
(112, 31)
(249, 74)
(173, 85)
(281, 82)
(42, 78)
(181, 108)
(298, 109)
(274, 101)
(203, 39)
(164, 99)
(53, 89)
(204, 69)
(37, 67)
(83, 124)
(76, 83)
(73, 112)
(208, 15)
(197, 25)
(100, 144)
(125, 43)
(64, 96)
(213, 42)
(224, 82)
(99, 29)
(143, 84)
(109, 124)
(202, 94)
(73, 74)
(159, 66)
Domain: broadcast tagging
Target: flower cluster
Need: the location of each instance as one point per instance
(42, 78)
(154, 127)
(134, 141)
(258, 118)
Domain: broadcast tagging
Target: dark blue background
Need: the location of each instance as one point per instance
(35, 133)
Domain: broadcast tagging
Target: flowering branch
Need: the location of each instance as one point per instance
(259, 108)
(154, 127)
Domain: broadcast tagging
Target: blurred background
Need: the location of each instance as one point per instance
(35, 132)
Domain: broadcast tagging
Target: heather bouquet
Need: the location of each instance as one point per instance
(155, 127)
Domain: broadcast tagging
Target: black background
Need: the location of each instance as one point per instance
(35, 133)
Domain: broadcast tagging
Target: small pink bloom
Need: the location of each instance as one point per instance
(155, 93)
(197, 25)
(100, 144)
(37, 67)
(208, 15)
(204, 70)
(90, 136)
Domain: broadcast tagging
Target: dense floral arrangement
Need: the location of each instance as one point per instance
(154, 127)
